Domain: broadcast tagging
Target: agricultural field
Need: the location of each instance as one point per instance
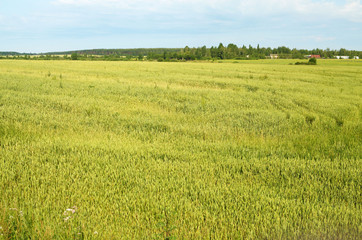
(196, 150)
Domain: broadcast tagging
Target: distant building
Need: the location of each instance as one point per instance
(315, 56)
(342, 57)
(274, 56)
(355, 57)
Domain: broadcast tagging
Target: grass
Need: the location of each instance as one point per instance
(139, 150)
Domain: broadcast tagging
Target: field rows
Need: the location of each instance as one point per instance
(248, 149)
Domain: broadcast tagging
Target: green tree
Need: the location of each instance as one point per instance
(312, 61)
(232, 51)
(74, 56)
(213, 52)
(221, 51)
(203, 51)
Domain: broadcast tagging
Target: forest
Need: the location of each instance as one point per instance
(231, 51)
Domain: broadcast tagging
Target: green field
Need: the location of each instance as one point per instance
(197, 150)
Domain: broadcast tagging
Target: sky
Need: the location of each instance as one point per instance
(40, 26)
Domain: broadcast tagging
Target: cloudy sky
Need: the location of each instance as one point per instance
(55, 25)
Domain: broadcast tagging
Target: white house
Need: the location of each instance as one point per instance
(342, 57)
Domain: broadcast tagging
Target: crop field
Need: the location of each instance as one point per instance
(196, 150)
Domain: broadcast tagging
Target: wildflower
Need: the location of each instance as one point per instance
(68, 211)
(95, 233)
(72, 210)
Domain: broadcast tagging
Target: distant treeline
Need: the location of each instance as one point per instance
(231, 51)
(119, 52)
(13, 54)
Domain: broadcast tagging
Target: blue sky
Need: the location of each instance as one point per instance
(56, 25)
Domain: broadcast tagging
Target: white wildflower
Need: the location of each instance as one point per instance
(72, 210)
(69, 211)
(95, 233)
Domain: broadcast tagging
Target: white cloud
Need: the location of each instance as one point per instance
(322, 38)
(351, 9)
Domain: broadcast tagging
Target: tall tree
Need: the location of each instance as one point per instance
(221, 51)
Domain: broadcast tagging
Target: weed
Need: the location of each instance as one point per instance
(287, 115)
(263, 77)
(339, 121)
(251, 88)
(309, 119)
(165, 227)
